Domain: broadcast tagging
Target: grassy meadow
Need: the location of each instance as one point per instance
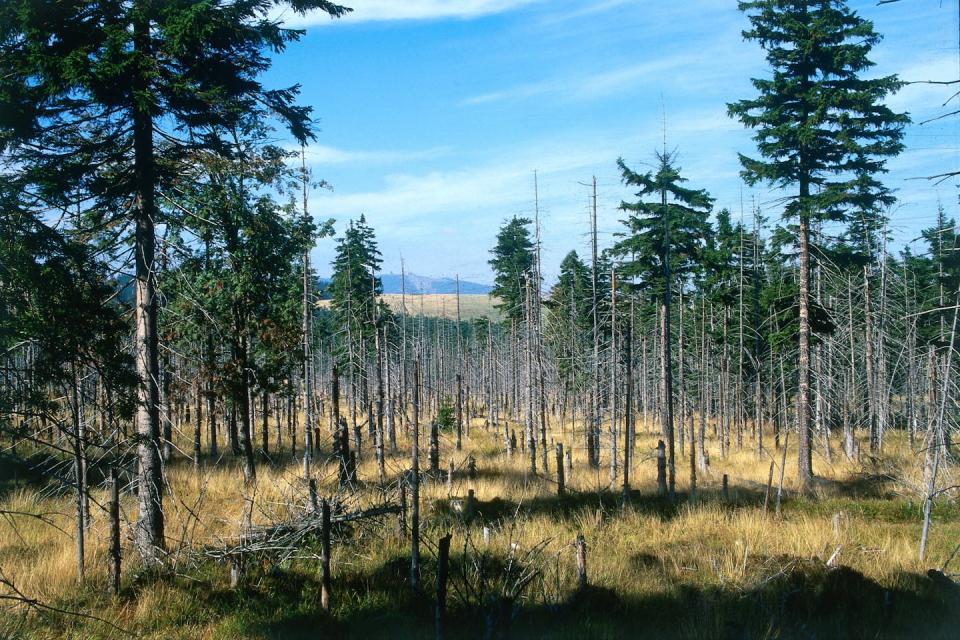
(442, 305)
(702, 568)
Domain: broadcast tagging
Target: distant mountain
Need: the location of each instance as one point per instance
(393, 283)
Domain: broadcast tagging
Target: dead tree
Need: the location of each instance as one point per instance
(443, 564)
(415, 483)
(114, 550)
(325, 586)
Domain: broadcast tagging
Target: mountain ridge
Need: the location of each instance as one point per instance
(416, 284)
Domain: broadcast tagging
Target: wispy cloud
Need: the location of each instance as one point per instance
(502, 184)
(446, 220)
(325, 155)
(920, 98)
(387, 10)
(412, 210)
(499, 183)
(595, 85)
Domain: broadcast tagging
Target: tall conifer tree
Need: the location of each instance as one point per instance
(663, 241)
(88, 89)
(820, 126)
(513, 261)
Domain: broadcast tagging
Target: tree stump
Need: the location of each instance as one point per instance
(766, 495)
(581, 547)
(325, 586)
(236, 569)
(471, 506)
(314, 504)
(443, 564)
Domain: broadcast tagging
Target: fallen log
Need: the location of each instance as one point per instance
(288, 536)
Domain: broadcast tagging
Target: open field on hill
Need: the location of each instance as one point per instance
(840, 563)
(442, 305)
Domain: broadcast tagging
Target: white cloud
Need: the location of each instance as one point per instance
(497, 184)
(324, 155)
(387, 10)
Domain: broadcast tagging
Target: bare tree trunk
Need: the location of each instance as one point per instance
(870, 364)
(265, 422)
(704, 404)
(197, 422)
(614, 387)
(680, 379)
(459, 412)
(666, 386)
(391, 408)
(415, 483)
(114, 547)
(528, 375)
(593, 444)
(805, 464)
(381, 469)
(242, 396)
(628, 426)
(79, 472)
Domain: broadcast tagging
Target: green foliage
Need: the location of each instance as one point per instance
(446, 416)
(512, 262)
(935, 281)
(819, 124)
(57, 300)
(569, 323)
(73, 73)
(355, 291)
(243, 277)
(665, 237)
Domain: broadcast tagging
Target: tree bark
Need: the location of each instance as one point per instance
(148, 535)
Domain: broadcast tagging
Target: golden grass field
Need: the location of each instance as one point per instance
(704, 569)
(442, 305)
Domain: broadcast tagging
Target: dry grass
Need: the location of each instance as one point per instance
(442, 305)
(649, 556)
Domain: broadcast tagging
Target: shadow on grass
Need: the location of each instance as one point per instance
(606, 502)
(807, 600)
(861, 485)
(790, 598)
(17, 471)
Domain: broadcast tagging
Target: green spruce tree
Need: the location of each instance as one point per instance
(512, 262)
(664, 240)
(820, 126)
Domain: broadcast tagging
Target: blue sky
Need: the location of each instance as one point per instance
(434, 114)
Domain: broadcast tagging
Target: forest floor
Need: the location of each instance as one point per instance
(704, 568)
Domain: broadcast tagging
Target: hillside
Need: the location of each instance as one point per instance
(394, 283)
(442, 305)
